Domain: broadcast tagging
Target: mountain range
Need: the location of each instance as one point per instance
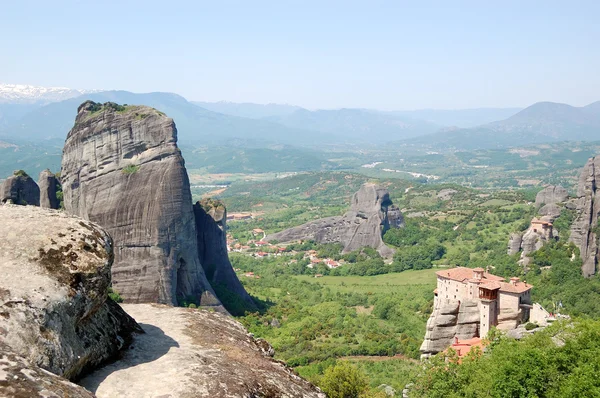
(38, 113)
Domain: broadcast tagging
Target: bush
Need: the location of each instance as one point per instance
(131, 169)
(114, 296)
(343, 381)
(20, 173)
(530, 326)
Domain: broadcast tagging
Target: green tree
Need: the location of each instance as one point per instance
(343, 381)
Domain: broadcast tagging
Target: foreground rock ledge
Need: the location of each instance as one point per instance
(54, 276)
(195, 353)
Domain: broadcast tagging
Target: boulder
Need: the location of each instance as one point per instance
(20, 189)
(195, 353)
(371, 214)
(54, 307)
(48, 184)
(122, 169)
(583, 229)
(20, 378)
(211, 217)
(551, 195)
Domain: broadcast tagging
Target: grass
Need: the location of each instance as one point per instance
(374, 284)
(130, 169)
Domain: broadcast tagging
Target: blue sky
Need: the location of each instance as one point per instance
(318, 54)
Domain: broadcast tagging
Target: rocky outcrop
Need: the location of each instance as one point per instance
(539, 233)
(584, 231)
(48, 184)
(371, 214)
(20, 378)
(20, 189)
(551, 195)
(211, 218)
(122, 169)
(195, 353)
(449, 319)
(54, 308)
(550, 212)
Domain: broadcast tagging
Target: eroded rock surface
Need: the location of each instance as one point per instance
(584, 230)
(20, 189)
(194, 353)
(211, 218)
(449, 319)
(122, 169)
(551, 195)
(21, 379)
(371, 214)
(54, 309)
(48, 184)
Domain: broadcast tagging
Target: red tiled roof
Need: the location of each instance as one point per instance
(463, 273)
(519, 287)
(491, 285)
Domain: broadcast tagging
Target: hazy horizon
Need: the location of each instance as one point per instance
(385, 55)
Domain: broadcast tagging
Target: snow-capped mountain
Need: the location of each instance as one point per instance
(25, 94)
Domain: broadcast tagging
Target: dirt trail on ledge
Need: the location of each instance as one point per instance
(194, 353)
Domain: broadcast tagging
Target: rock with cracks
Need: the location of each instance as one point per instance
(371, 214)
(122, 169)
(54, 308)
(195, 353)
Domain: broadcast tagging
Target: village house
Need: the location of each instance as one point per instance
(331, 263)
(494, 294)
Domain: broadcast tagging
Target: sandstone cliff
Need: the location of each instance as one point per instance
(584, 231)
(449, 319)
(551, 195)
(54, 309)
(195, 353)
(20, 189)
(48, 184)
(122, 169)
(371, 214)
(211, 218)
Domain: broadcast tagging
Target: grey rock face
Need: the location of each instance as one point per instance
(122, 169)
(20, 378)
(48, 184)
(212, 249)
(53, 292)
(551, 195)
(514, 243)
(588, 207)
(450, 318)
(20, 189)
(550, 212)
(371, 214)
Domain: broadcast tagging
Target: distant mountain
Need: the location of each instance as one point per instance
(196, 126)
(247, 109)
(357, 125)
(26, 94)
(28, 156)
(463, 118)
(541, 122)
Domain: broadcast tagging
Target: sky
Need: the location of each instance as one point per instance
(388, 55)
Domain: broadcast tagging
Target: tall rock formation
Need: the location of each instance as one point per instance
(122, 169)
(48, 184)
(211, 218)
(584, 231)
(54, 307)
(551, 195)
(20, 189)
(540, 232)
(371, 214)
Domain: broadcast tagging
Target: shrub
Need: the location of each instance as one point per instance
(114, 296)
(131, 169)
(343, 381)
(530, 326)
(20, 173)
